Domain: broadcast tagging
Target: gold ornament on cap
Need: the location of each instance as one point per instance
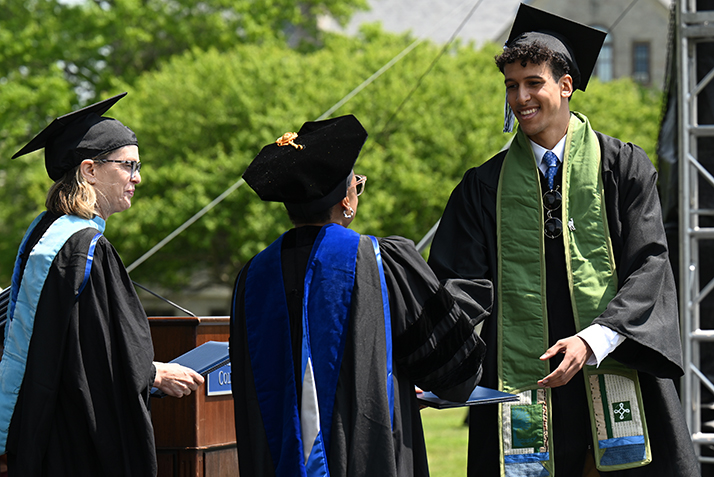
(287, 139)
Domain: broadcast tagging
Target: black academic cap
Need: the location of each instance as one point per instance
(308, 171)
(578, 43)
(80, 135)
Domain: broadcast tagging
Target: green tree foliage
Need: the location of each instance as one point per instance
(205, 115)
(98, 41)
(26, 103)
(623, 109)
(202, 115)
(56, 55)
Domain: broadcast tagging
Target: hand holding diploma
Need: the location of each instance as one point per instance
(176, 380)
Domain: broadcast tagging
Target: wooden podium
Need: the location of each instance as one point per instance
(195, 435)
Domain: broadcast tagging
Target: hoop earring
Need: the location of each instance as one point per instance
(352, 213)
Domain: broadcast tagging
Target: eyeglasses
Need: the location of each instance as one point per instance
(359, 184)
(553, 226)
(134, 166)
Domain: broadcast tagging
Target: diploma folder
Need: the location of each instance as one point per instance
(480, 395)
(203, 359)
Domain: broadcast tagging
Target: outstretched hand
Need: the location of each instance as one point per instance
(576, 352)
(176, 380)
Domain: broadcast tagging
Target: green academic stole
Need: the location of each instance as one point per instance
(616, 411)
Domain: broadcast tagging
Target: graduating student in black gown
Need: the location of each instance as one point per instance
(545, 59)
(426, 339)
(78, 361)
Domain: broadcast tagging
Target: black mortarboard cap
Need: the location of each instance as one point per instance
(578, 43)
(309, 172)
(80, 135)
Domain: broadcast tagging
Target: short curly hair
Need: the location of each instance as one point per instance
(536, 53)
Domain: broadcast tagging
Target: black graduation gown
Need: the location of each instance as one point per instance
(83, 408)
(429, 329)
(644, 310)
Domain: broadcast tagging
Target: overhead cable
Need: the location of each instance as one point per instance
(336, 106)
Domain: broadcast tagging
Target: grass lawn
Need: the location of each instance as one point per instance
(446, 437)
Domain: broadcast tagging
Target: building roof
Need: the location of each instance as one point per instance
(438, 20)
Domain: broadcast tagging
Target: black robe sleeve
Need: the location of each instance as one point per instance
(645, 307)
(434, 336)
(465, 243)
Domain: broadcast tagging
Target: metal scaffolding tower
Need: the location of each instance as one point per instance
(694, 30)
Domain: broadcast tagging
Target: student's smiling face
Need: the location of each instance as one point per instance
(539, 102)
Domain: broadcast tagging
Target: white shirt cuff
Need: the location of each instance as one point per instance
(602, 341)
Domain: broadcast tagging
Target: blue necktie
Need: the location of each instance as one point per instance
(551, 161)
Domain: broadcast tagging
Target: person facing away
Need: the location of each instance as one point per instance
(331, 330)
(567, 225)
(78, 365)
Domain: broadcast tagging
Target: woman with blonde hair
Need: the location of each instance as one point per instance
(78, 366)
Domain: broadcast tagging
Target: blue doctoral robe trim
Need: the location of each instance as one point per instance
(88, 266)
(329, 282)
(387, 328)
(269, 347)
(24, 299)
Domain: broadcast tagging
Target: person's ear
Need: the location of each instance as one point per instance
(566, 86)
(88, 168)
